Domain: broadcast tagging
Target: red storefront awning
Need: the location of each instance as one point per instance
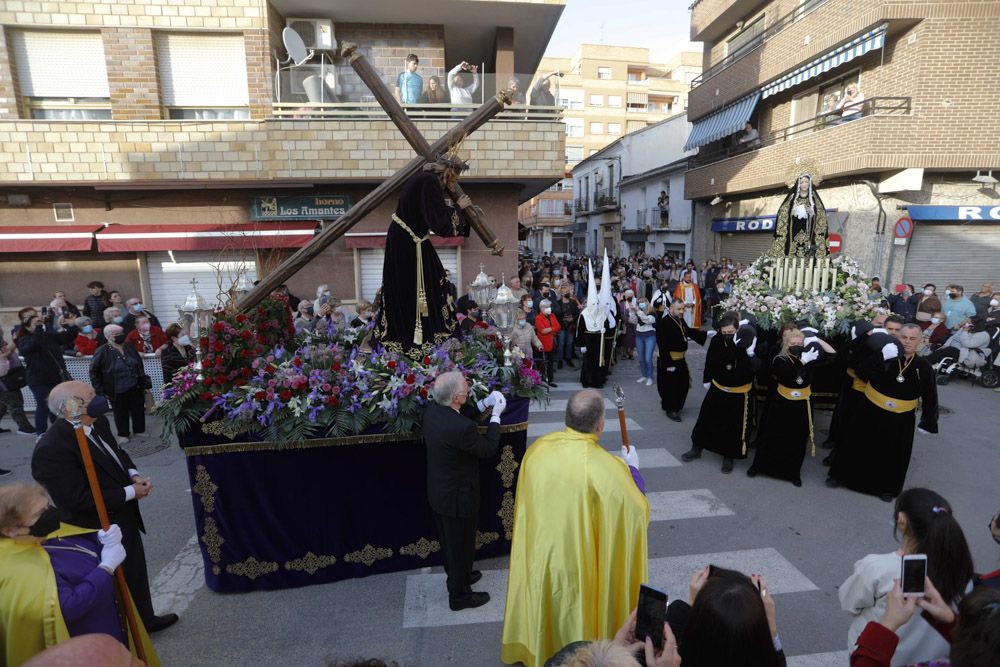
(55, 238)
(377, 240)
(132, 238)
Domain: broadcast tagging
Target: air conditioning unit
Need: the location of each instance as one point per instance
(315, 33)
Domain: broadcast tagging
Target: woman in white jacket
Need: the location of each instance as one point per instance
(645, 338)
(924, 525)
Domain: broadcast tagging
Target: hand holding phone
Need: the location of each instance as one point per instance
(652, 614)
(914, 573)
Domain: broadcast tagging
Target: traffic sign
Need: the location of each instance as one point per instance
(836, 243)
(904, 228)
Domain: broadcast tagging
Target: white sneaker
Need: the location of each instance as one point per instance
(649, 382)
(641, 380)
(23, 432)
(121, 439)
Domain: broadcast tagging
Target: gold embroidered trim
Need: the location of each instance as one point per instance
(204, 488)
(375, 438)
(422, 547)
(482, 539)
(506, 514)
(252, 568)
(212, 540)
(226, 427)
(508, 464)
(368, 556)
(310, 563)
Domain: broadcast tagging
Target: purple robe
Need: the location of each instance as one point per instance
(86, 592)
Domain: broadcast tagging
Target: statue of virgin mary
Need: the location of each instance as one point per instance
(800, 229)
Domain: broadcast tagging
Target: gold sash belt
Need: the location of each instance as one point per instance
(676, 356)
(801, 394)
(743, 389)
(888, 403)
(857, 384)
(422, 310)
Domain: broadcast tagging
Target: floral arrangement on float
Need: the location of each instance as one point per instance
(780, 290)
(257, 375)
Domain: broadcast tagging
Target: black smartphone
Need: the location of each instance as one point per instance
(651, 616)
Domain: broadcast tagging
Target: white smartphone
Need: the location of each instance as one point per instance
(913, 575)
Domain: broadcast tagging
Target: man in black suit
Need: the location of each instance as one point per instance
(58, 466)
(454, 448)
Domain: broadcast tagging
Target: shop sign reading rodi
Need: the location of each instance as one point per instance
(308, 207)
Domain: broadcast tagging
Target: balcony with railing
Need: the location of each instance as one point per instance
(651, 220)
(861, 143)
(605, 198)
(711, 18)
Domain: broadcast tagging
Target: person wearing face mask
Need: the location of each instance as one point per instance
(981, 300)
(306, 319)
(627, 309)
(364, 316)
(147, 338)
(45, 368)
(957, 308)
(86, 341)
(547, 327)
(568, 312)
(36, 549)
(524, 336)
(471, 317)
(178, 353)
(728, 377)
(786, 425)
(993, 311)
(645, 337)
(133, 310)
(116, 373)
(672, 376)
(11, 398)
(936, 334)
(56, 465)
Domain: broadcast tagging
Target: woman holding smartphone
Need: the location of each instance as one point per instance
(924, 525)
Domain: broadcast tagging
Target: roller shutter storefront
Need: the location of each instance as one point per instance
(170, 280)
(745, 247)
(966, 254)
(371, 260)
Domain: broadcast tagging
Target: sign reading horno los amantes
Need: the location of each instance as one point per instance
(309, 207)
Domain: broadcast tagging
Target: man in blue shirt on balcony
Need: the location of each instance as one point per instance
(409, 84)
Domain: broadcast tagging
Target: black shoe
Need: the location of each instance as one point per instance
(797, 482)
(828, 460)
(552, 384)
(832, 483)
(691, 454)
(673, 416)
(569, 362)
(828, 444)
(751, 472)
(161, 622)
(560, 364)
(727, 465)
(475, 576)
(4, 430)
(886, 497)
(4, 472)
(468, 601)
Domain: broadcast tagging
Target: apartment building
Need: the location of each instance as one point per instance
(606, 92)
(904, 173)
(146, 143)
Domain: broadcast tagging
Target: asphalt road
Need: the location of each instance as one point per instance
(806, 539)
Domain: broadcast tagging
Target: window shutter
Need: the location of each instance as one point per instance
(53, 63)
(198, 70)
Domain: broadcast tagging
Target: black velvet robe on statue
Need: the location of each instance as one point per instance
(723, 420)
(874, 454)
(423, 208)
(672, 377)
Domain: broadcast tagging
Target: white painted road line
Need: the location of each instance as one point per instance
(687, 504)
(426, 603)
(559, 405)
(672, 574)
(176, 584)
(610, 426)
(834, 659)
(653, 458)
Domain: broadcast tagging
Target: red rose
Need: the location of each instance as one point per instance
(220, 362)
(286, 395)
(497, 345)
(336, 366)
(203, 342)
(205, 396)
(258, 350)
(297, 362)
(218, 326)
(245, 353)
(245, 372)
(220, 379)
(391, 365)
(245, 334)
(270, 368)
(331, 401)
(260, 395)
(527, 362)
(411, 378)
(207, 382)
(262, 340)
(241, 318)
(427, 361)
(482, 325)
(423, 393)
(218, 347)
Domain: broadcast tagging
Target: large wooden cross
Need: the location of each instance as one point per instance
(426, 153)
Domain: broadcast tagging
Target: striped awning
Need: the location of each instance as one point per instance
(727, 120)
(638, 98)
(859, 46)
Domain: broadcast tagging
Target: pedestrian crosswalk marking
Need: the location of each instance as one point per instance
(426, 602)
(688, 504)
(610, 426)
(653, 458)
(833, 659)
(559, 405)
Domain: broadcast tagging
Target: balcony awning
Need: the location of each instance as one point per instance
(377, 240)
(243, 236)
(638, 98)
(54, 238)
(723, 122)
(859, 46)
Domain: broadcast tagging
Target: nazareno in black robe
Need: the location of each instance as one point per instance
(672, 376)
(592, 373)
(874, 455)
(423, 208)
(724, 416)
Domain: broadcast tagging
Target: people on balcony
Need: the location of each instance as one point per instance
(409, 83)
(851, 105)
(663, 203)
(461, 92)
(750, 139)
(540, 94)
(435, 93)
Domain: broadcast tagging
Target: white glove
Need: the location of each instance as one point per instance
(752, 348)
(499, 405)
(809, 341)
(671, 369)
(707, 385)
(810, 356)
(711, 333)
(742, 322)
(112, 556)
(878, 330)
(490, 400)
(890, 351)
(583, 350)
(112, 537)
(631, 457)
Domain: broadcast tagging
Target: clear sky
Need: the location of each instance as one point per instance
(663, 26)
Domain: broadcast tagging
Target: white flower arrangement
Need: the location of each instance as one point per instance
(831, 311)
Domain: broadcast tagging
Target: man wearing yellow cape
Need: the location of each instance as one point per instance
(31, 617)
(579, 546)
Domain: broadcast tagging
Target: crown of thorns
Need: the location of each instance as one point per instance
(452, 161)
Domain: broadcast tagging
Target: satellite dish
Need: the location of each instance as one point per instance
(295, 46)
